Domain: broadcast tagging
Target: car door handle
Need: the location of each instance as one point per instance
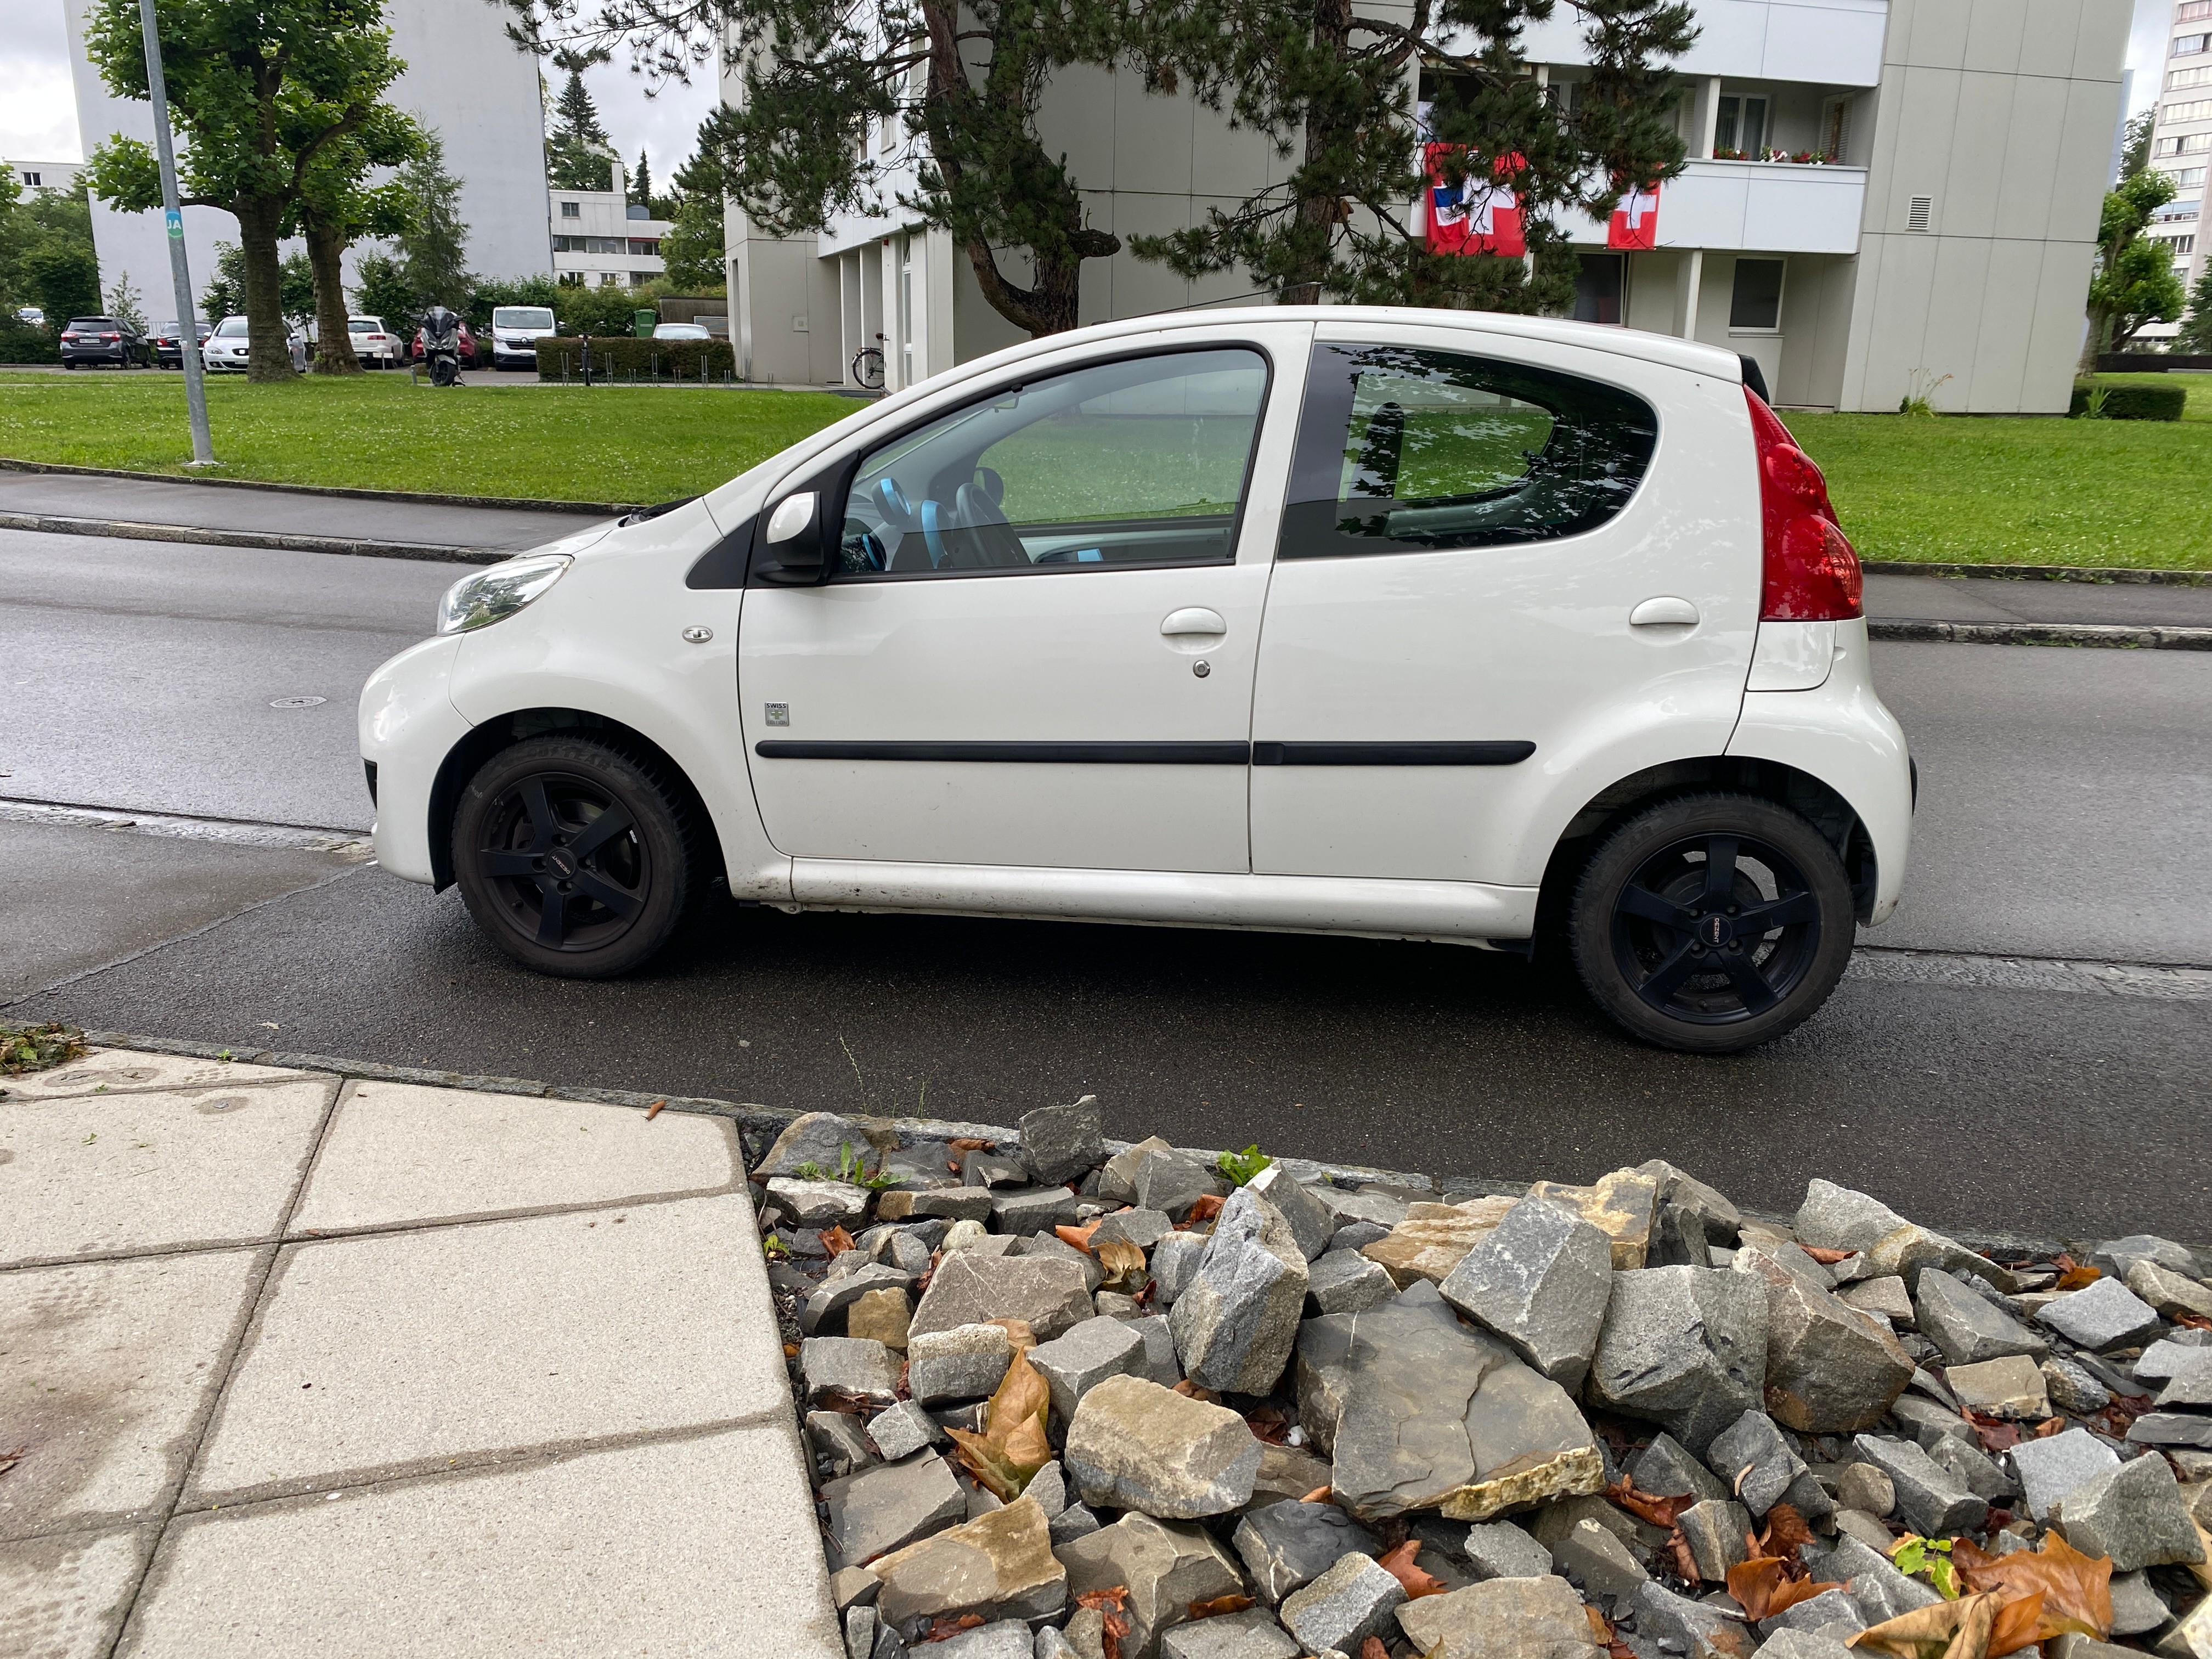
(1196, 619)
(1662, 611)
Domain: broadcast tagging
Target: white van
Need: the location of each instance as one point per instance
(515, 332)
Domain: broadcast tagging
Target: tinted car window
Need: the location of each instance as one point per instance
(1405, 450)
(107, 323)
(1140, 462)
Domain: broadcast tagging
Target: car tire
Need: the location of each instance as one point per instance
(1660, 942)
(556, 909)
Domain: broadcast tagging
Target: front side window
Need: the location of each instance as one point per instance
(1405, 450)
(1142, 462)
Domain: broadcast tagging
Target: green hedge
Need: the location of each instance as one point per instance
(21, 343)
(2133, 402)
(646, 361)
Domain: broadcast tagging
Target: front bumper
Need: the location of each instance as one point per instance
(408, 725)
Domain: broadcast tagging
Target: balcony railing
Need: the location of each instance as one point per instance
(1761, 207)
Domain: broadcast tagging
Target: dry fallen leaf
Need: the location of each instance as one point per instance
(655, 1109)
(1649, 1506)
(1267, 1425)
(1786, 1533)
(1012, 1446)
(1114, 1606)
(1825, 1257)
(1762, 1587)
(1078, 1236)
(1982, 1625)
(1191, 1389)
(1207, 1206)
(1219, 1605)
(1400, 1564)
(836, 1240)
(10, 1459)
(971, 1144)
(1319, 1495)
(945, 1626)
(1372, 1648)
(1123, 1262)
(2076, 1589)
(1018, 1332)
(2074, 1278)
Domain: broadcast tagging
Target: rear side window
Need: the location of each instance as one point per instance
(1405, 450)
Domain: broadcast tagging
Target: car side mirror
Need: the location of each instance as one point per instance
(795, 549)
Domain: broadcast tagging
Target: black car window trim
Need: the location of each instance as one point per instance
(834, 483)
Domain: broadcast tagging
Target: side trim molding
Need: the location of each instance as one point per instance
(1062, 754)
(1502, 752)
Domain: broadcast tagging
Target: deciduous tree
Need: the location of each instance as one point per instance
(338, 206)
(2132, 282)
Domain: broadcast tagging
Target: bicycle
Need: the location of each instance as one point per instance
(868, 366)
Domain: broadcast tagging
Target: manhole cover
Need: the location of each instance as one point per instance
(296, 702)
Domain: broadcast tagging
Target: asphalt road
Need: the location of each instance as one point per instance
(2063, 802)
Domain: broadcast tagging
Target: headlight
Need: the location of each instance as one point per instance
(498, 594)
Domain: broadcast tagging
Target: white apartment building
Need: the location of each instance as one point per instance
(601, 239)
(464, 77)
(1940, 240)
(44, 175)
(2181, 140)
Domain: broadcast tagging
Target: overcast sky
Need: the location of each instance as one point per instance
(37, 118)
(38, 112)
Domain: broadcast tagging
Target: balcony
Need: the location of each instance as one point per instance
(1761, 207)
(1836, 42)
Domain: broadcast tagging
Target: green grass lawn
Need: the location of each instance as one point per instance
(377, 432)
(1970, 490)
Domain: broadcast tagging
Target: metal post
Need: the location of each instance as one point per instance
(188, 346)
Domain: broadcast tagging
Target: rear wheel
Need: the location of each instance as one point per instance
(575, 858)
(1712, 923)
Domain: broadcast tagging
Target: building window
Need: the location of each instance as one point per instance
(2187, 178)
(2188, 45)
(906, 311)
(2178, 245)
(2189, 143)
(610, 279)
(2189, 10)
(1601, 286)
(1835, 126)
(2176, 79)
(1755, 300)
(2200, 110)
(33, 179)
(644, 246)
(1742, 128)
(571, 210)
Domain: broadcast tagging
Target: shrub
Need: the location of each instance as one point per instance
(2133, 402)
(623, 359)
(20, 343)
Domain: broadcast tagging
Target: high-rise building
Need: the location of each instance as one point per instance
(1883, 198)
(2181, 138)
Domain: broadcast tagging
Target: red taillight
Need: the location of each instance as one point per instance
(1811, 571)
(111, 336)
(72, 334)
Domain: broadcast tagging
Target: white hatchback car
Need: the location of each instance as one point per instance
(1423, 625)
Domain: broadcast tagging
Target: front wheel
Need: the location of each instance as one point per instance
(1712, 923)
(576, 859)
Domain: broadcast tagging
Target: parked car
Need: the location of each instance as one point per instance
(31, 315)
(468, 347)
(680, 332)
(1451, 626)
(515, 332)
(103, 340)
(225, 348)
(169, 343)
(375, 345)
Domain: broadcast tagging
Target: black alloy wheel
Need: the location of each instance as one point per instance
(575, 858)
(1713, 922)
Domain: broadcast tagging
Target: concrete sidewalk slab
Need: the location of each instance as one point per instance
(106, 1371)
(144, 1170)
(397, 1152)
(702, 1545)
(376, 1355)
(64, 1598)
(109, 1071)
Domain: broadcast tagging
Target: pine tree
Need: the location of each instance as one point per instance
(693, 250)
(579, 155)
(2196, 336)
(640, 179)
(433, 256)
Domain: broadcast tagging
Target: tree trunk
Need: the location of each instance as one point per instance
(333, 349)
(269, 348)
(2098, 340)
(1317, 215)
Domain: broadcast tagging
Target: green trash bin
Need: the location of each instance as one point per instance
(644, 322)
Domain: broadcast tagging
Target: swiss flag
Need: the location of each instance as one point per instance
(1635, 226)
(1474, 216)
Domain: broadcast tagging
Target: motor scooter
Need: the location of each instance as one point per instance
(442, 345)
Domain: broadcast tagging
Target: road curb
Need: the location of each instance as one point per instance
(512, 503)
(2096, 634)
(2041, 573)
(131, 530)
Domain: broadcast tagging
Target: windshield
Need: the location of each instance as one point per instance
(365, 325)
(230, 327)
(92, 322)
(172, 328)
(521, 317)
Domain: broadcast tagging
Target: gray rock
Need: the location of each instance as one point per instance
(2168, 1357)
(2136, 1607)
(1285, 1546)
(1549, 1522)
(1684, 1348)
(1000, 1565)
(1831, 1612)
(816, 1139)
(1967, 1327)
(1665, 1470)
(1869, 1531)
(1155, 1362)
(952, 1204)
(1806, 1644)
(1754, 1462)
(1025, 1210)
(1074, 1364)
(1076, 1521)
(991, 1169)
(853, 1587)
(1720, 1220)
(1697, 1629)
(962, 1362)
(2072, 1389)
(1251, 1634)
(1117, 1177)
(1050, 1644)
(2190, 1639)
(1172, 1181)
(1345, 1281)
(1373, 1205)
(1049, 1486)
(1343, 1607)
(1715, 1530)
(1810, 1498)
(1541, 1281)
(815, 1203)
(902, 1431)
(1971, 1468)
(2048, 1469)
(1878, 1590)
(1112, 1304)
(1864, 1487)
(2133, 1513)
(1165, 1567)
(2191, 1389)
(1837, 1219)
(1537, 1617)
(884, 1507)
(868, 1372)
(902, 1248)
(1680, 1240)
(1932, 1501)
(861, 1633)
(1142, 1228)
(1060, 1143)
(2172, 1429)
(1498, 1549)
(1311, 1221)
(825, 1310)
(839, 1438)
(967, 1289)
(1174, 1263)
(972, 1237)
(1831, 1367)
(1135, 1445)
(1927, 1422)
(1593, 1558)
(1418, 1411)
(1885, 1297)
(1048, 1246)
(2117, 1256)
(2106, 1315)
(1357, 1235)
(2012, 1387)
(1085, 1631)
(1006, 1638)
(1236, 1322)
(2172, 1293)
(1287, 1474)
